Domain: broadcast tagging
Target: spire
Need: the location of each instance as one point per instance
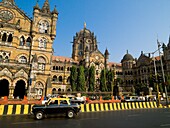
(36, 6)
(9, 2)
(106, 52)
(55, 10)
(127, 52)
(46, 7)
(84, 25)
(168, 42)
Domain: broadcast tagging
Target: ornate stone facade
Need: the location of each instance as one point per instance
(25, 49)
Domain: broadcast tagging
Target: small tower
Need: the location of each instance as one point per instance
(54, 20)
(46, 7)
(106, 54)
(9, 2)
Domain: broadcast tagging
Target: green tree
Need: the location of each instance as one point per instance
(86, 73)
(91, 79)
(81, 79)
(109, 79)
(103, 86)
(167, 82)
(151, 82)
(73, 78)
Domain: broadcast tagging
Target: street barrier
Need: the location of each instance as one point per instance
(15, 109)
(117, 106)
(96, 107)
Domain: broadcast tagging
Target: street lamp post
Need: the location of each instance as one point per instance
(163, 75)
(156, 75)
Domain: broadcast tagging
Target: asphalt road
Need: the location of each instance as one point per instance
(143, 118)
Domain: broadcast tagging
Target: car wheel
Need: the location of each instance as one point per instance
(39, 115)
(70, 114)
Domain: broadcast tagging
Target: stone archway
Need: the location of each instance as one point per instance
(4, 87)
(19, 90)
(59, 90)
(54, 91)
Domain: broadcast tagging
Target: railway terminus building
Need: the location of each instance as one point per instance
(28, 65)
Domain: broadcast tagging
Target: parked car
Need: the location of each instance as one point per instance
(79, 100)
(74, 99)
(56, 106)
(133, 99)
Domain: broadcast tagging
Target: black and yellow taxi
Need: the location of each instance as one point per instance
(56, 106)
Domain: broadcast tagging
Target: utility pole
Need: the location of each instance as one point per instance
(156, 75)
(163, 75)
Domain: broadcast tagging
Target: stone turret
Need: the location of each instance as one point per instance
(54, 20)
(106, 54)
(9, 2)
(46, 7)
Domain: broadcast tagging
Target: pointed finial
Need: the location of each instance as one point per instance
(84, 24)
(106, 52)
(37, 6)
(55, 10)
(11, 2)
(127, 51)
(46, 7)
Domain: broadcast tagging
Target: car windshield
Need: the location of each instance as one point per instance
(127, 98)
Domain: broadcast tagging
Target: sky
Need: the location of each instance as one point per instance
(119, 25)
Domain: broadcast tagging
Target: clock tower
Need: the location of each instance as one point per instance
(26, 49)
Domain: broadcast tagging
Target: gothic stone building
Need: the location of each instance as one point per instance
(85, 52)
(28, 66)
(139, 71)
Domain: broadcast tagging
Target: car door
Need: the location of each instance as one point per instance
(53, 108)
(63, 106)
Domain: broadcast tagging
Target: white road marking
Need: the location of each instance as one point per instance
(23, 123)
(133, 115)
(165, 125)
(90, 119)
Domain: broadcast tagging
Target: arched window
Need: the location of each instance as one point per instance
(38, 90)
(4, 37)
(28, 42)
(80, 47)
(60, 79)
(41, 63)
(22, 59)
(56, 67)
(53, 67)
(54, 91)
(54, 78)
(22, 41)
(68, 80)
(62, 68)
(10, 38)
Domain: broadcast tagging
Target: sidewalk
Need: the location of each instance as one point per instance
(7, 101)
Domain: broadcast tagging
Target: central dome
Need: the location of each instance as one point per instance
(127, 57)
(85, 31)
